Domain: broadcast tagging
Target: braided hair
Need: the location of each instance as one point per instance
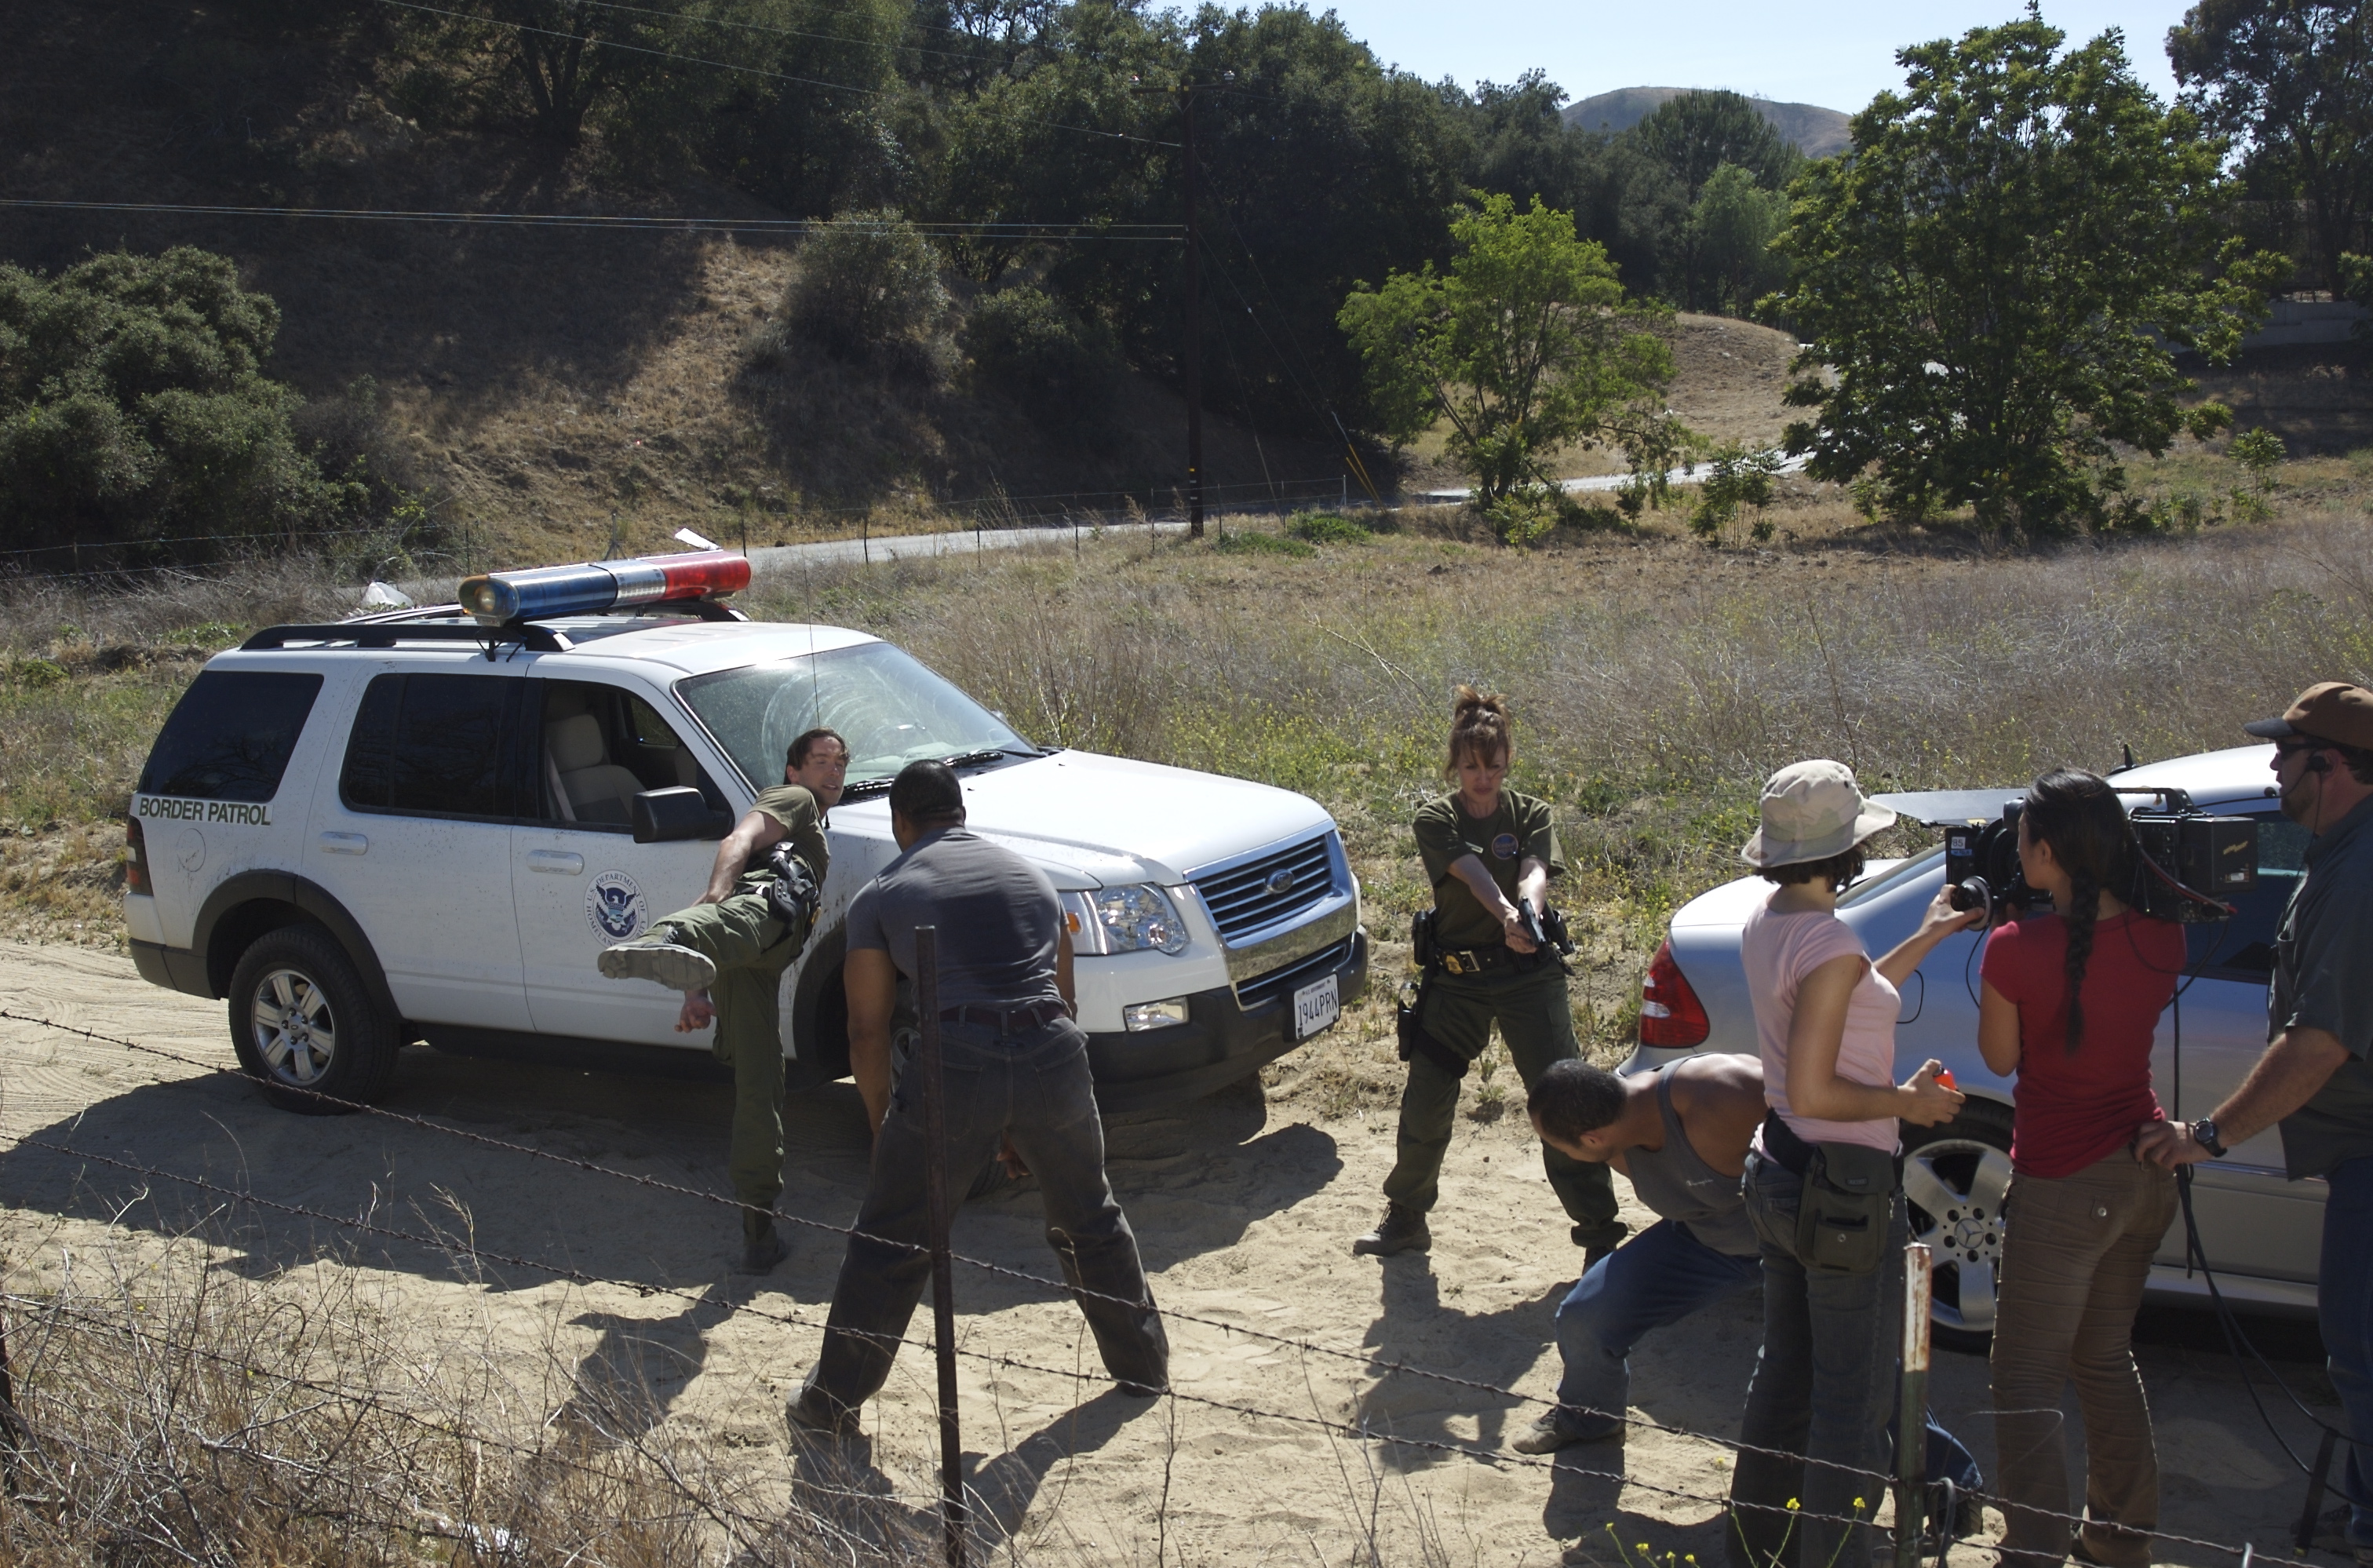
(2081, 817)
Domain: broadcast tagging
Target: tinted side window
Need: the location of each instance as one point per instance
(231, 736)
(432, 745)
(2243, 947)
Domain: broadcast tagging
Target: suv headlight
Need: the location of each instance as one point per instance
(1135, 919)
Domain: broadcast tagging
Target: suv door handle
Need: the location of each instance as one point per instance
(344, 844)
(559, 862)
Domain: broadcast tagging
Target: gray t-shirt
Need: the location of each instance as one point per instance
(2324, 979)
(997, 914)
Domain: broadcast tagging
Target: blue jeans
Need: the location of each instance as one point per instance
(2344, 1312)
(1033, 1088)
(1824, 1384)
(1661, 1276)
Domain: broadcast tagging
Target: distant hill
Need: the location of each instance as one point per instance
(1817, 132)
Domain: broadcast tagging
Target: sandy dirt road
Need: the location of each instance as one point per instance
(1244, 1210)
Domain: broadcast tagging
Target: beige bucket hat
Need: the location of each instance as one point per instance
(1811, 811)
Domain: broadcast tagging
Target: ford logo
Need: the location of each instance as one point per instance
(1279, 883)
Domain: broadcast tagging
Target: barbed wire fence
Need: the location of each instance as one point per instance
(465, 1252)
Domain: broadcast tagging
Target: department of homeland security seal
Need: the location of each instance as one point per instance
(615, 904)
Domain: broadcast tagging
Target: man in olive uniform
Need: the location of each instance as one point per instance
(1485, 847)
(727, 954)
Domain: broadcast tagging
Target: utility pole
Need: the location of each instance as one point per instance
(1190, 358)
(1194, 365)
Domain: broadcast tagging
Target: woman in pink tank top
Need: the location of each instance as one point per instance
(1823, 1187)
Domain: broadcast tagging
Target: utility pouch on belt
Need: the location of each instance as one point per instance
(1422, 951)
(1841, 1222)
(793, 896)
(1409, 1029)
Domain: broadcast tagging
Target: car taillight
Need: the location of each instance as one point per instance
(1670, 1013)
(135, 857)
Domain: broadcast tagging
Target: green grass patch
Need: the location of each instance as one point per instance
(1328, 528)
(1252, 542)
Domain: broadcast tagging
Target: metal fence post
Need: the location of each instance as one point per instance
(943, 1296)
(1912, 1420)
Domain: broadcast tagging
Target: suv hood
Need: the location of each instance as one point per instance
(1106, 820)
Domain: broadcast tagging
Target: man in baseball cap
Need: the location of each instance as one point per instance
(2313, 1079)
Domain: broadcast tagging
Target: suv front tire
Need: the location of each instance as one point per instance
(304, 1027)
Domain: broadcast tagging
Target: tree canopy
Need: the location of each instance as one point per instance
(1524, 344)
(1995, 274)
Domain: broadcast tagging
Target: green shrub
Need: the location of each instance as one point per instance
(1061, 368)
(1328, 528)
(1736, 477)
(134, 405)
(868, 290)
(2260, 451)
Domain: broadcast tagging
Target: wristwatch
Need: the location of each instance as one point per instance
(2204, 1132)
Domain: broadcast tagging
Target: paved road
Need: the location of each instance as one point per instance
(906, 547)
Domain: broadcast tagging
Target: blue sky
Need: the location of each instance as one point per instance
(1829, 52)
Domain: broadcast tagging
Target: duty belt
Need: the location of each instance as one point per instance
(1006, 1020)
(1476, 960)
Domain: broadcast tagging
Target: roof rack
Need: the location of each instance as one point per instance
(542, 639)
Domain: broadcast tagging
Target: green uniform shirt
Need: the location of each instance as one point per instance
(2324, 979)
(795, 812)
(1503, 841)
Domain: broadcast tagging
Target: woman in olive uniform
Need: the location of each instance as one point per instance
(1485, 847)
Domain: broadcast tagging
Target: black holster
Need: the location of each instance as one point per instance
(1409, 1028)
(792, 897)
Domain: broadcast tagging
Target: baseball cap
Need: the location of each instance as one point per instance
(1811, 811)
(2329, 710)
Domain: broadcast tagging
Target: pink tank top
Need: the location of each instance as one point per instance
(1778, 951)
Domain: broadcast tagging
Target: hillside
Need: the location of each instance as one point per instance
(1817, 132)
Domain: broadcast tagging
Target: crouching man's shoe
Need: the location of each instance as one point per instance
(762, 1250)
(653, 958)
(1546, 1436)
(821, 1414)
(1401, 1230)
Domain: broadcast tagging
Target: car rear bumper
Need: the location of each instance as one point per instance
(176, 969)
(1230, 1033)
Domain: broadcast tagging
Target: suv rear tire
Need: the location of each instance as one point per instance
(304, 1026)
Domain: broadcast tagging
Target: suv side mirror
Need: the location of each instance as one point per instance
(662, 816)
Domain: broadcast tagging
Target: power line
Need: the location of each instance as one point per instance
(1163, 233)
(729, 65)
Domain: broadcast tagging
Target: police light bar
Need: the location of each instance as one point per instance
(497, 597)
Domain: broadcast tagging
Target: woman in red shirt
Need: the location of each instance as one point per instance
(2071, 1002)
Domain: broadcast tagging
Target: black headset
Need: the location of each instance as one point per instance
(2318, 763)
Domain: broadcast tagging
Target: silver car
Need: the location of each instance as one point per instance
(2258, 1230)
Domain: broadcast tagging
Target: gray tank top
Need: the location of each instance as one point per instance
(1678, 1186)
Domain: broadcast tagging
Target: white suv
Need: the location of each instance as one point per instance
(417, 826)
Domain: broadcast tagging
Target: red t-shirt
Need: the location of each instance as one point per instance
(2074, 1110)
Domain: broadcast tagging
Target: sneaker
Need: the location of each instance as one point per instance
(817, 1413)
(1401, 1230)
(678, 968)
(1545, 1436)
(762, 1252)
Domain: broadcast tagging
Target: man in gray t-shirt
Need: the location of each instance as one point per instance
(1015, 1067)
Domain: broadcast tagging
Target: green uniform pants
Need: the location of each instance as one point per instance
(1534, 1018)
(745, 939)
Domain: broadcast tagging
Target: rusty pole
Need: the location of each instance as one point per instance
(944, 1296)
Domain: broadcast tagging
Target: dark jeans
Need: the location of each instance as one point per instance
(1033, 1088)
(2344, 1312)
(1658, 1278)
(1652, 1282)
(1824, 1382)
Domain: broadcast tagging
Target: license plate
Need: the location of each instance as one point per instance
(1316, 1007)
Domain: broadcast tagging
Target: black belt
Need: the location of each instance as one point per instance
(1779, 1141)
(1794, 1155)
(1476, 960)
(1006, 1020)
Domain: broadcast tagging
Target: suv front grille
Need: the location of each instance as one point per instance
(1260, 893)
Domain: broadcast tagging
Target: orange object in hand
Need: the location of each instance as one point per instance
(1945, 1076)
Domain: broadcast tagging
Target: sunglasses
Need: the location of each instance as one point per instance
(2286, 750)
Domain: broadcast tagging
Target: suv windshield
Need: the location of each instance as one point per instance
(890, 708)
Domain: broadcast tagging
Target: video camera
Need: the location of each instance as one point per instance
(2186, 861)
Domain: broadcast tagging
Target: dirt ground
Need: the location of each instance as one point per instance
(1244, 1209)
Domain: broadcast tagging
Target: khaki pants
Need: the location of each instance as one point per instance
(745, 939)
(2075, 1252)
